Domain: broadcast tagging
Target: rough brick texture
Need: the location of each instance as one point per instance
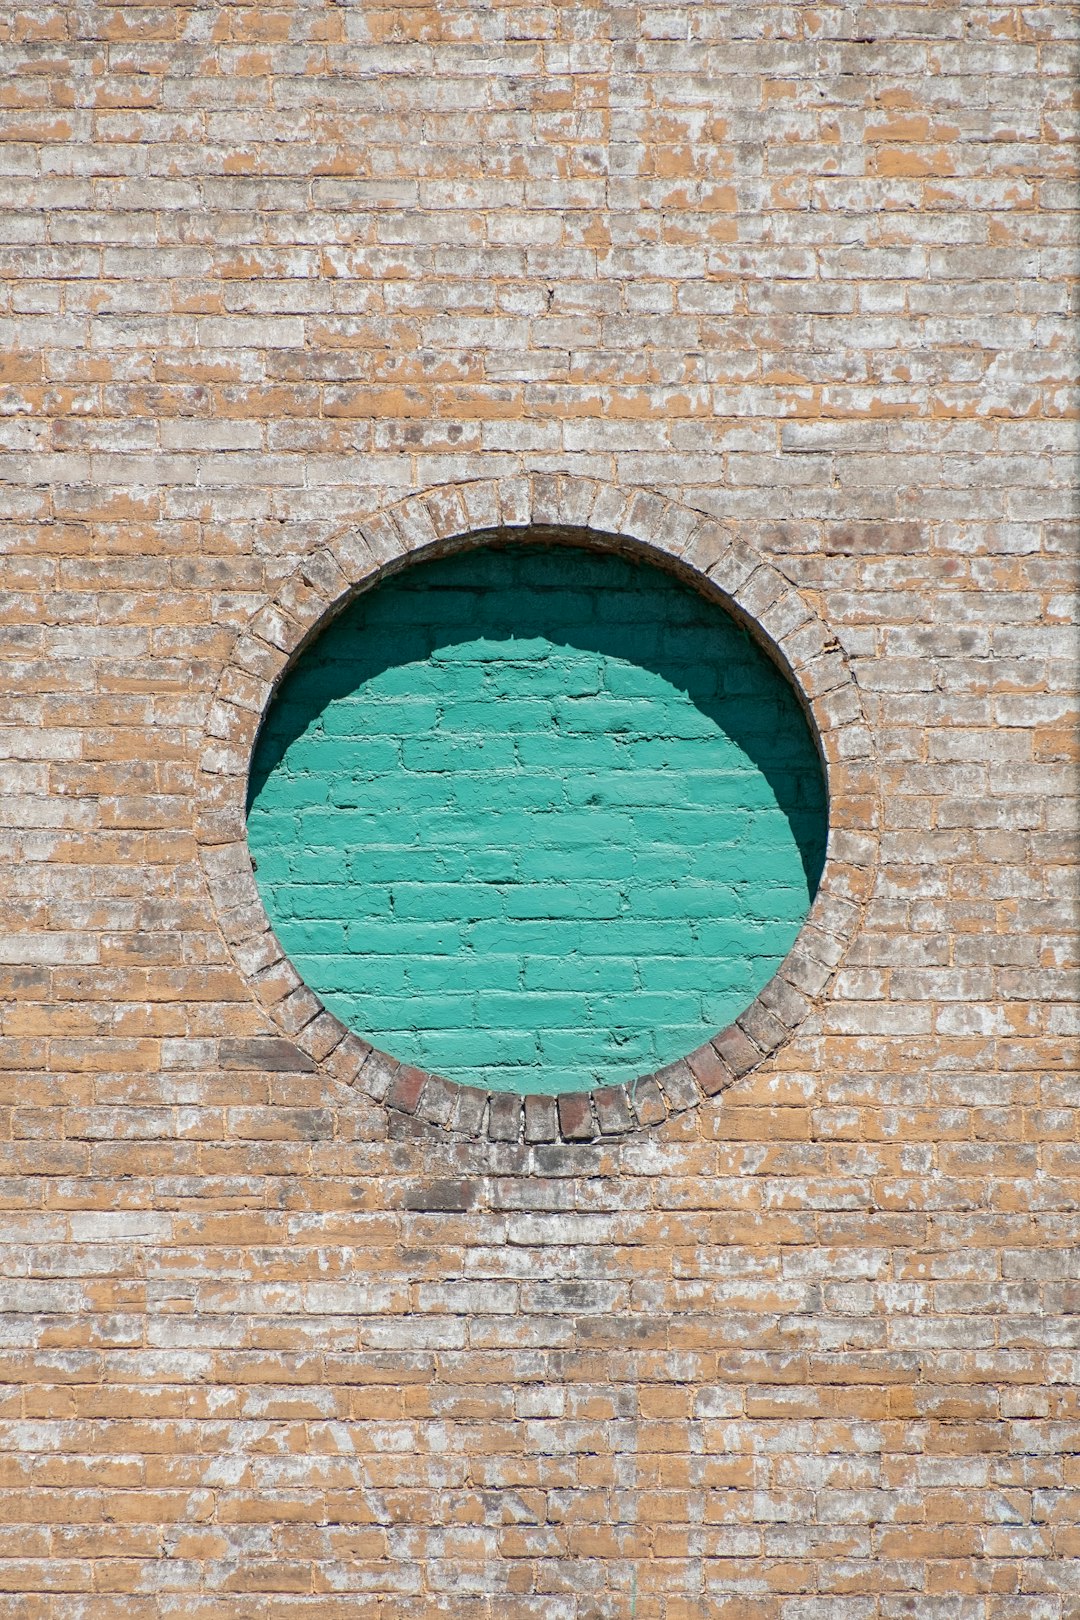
(270, 1349)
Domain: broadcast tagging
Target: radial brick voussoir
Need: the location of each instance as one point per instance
(450, 518)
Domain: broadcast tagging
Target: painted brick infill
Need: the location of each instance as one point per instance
(513, 840)
(806, 1351)
(549, 856)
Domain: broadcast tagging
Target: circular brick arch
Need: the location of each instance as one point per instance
(700, 550)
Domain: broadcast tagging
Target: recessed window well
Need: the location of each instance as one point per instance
(536, 818)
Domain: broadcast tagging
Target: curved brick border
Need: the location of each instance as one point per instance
(699, 549)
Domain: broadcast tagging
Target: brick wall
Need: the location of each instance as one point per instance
(806, 1352)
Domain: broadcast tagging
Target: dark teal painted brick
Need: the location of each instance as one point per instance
(536, 818)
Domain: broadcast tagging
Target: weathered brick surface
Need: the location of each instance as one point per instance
(270, 1349)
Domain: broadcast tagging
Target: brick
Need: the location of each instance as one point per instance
(347, 1059)
(407, 1088)
(436, 1105)
(264, 1052)
(613, 1110)
(504, 1118)
(709, 1070)
(648, 1103)
(764, 1028)
(470, 1104)
(575, 1117)
(736, 1050)
(377, 1075)
(541, 1119)
(679, 1085)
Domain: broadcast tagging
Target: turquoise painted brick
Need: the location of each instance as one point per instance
(588, 901)
(315, 900)
(407, 717)
(523, 938)
(374, 975)
(683, 973)
(684, 900)
(618, 939)
(399, 864)
(491, 865)
(651, 1008)
(529, 715)
(756, 937)
(580, 973)
(436, 1011)
(536, 818)
(508, 1052)
(388, 936)
(679, 825)
(325, 760)
(471, 753)
(491, 972)
(633, 1050)
(553, 861)
(320, 939)
(438, 902)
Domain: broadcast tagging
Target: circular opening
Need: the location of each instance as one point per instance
(537, 818)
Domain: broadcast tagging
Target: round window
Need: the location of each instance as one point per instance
(537, 818)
